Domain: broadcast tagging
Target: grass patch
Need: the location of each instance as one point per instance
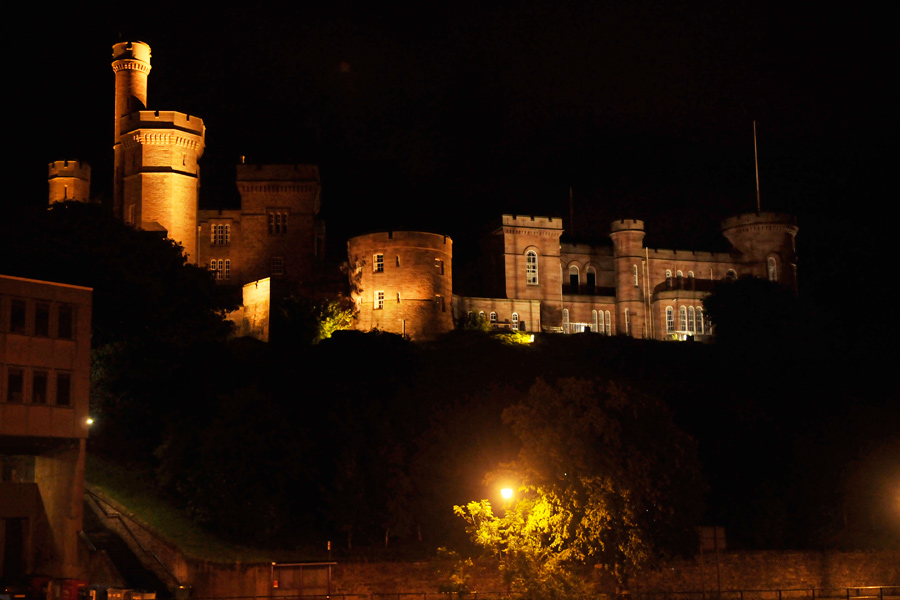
(134, 488)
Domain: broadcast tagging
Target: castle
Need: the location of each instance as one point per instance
(402, 280)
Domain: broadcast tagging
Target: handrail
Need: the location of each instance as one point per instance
(100, 501)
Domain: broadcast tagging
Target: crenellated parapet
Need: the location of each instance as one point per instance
(69, 180)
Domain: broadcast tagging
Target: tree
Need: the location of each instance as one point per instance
(606, 479)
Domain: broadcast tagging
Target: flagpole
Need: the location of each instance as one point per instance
(756, 161)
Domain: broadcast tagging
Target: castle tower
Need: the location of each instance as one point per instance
(69, 180)
(403, 282)
(157, 175)
(531, 262)
(765, 245)
(628, 255)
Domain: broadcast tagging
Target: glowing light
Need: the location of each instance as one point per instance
(507, 493)
(89, 421)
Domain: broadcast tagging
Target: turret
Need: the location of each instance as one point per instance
(628, 254)
(764, 244)
(69, 180)
(131, 64)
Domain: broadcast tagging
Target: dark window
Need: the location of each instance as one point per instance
(63, 389)
(39, 387)
(66, 321)
(15, 385)
(17, 317)
(42, 319)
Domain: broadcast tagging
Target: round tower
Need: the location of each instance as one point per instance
(402, 282)
(69, 180)
(628, 254)
(131, 64)
(765, 245)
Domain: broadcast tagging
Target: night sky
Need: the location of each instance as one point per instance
(440, 116)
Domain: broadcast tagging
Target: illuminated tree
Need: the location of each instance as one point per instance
(607, 479)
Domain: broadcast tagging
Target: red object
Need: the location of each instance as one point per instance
(69, 588)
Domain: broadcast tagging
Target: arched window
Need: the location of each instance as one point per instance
(493, 317)
(566, 320)
(531, 268)
(690, 280)
(771, 269)
(594, 326)
(668, 279)
(636, 281)
(682, 314)
(692, 323)
(591, 280)
(670, 320)
(481, 315)
(515, 321)
(700, 325)
(679, 279)
(573, 278)
(608, 324)
(731, 275)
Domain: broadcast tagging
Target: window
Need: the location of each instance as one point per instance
(398, 260)
(636, 280)
(42, 319)
(692, 320)
(278, 221)
(531, 268)
(378, 263)
(573, 278)
(566, 320)
(277, 265)
(15, 384)
(481, 315)
(771, 269)
(63, 389)
(690, 280)
(594, 324)
(731, 275)
(679, 280)
(17, 316)
(682, 317)
(608, 324)
(66, 324)
(591, 280)
(700, 326)
(398, 297)
(379, 300)
(220, 234)
(627, 323)
(668, 279)
(515, 322)
(39, 387)
(670, 320)
(439, 264)
(226, 272)
(493, 317)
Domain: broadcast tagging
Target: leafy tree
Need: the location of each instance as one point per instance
(303, 320)
(606, 479)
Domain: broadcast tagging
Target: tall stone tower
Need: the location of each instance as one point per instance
(69, 180)
(631, 288)
(157, 175)
(765, 245)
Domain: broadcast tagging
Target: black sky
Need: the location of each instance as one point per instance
(441, 116)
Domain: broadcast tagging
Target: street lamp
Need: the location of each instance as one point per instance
(507, 493)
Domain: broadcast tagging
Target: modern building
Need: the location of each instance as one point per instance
(45, 356)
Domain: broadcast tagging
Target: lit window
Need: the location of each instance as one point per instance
(531, 268)
(636, 280)
(594, 322)
(378, 263)
(63, 389)
(15, 385)
(493, 317)
(682, 317)
(608, 324)
(42, 319)
(670, 320)
(627, 323)
(39, 387)
(700, 325)
(692, 320)
(379, 300)
(515, 321)
(220, 234)
(566, 320)
(66, 323)
(771, 269)
(277, 265)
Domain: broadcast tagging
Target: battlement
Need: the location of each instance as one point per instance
(274, 173)
(753, 219)
(532, 221)
(162, 119)
(131, 51)
(687, 255)
(69, 168)
(404, 238)
(627, 225)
